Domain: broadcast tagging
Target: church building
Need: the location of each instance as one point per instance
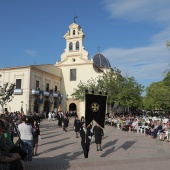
(55, 83)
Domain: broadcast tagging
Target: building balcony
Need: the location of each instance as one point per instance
(34, 92)
(55, 94)
(46, 93)
(18, 91)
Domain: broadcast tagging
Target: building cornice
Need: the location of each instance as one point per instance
(45, 73)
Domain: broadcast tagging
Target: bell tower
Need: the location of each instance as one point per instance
(74, 42)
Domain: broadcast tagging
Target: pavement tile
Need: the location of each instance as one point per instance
(121, 150)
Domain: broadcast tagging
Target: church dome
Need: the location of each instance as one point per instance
(101, 61)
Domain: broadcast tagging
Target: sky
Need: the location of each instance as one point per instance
(132, 34)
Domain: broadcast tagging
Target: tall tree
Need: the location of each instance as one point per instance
(157, 96)
(131, 94)
(6, 93)
(120, 90)
(168, 44)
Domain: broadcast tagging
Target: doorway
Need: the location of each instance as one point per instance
(46, 107)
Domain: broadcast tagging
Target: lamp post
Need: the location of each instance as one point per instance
(66, 102)
(22, 106)
(26, 109)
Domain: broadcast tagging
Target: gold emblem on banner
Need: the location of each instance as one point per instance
(95, 107)
(41, 96)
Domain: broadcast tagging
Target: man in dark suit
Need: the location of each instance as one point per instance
(85, 135)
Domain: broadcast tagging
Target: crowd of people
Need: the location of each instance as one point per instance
(155, 127)
(26, 129)
(87, 133)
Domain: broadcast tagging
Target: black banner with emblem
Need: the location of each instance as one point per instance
(41, 97)
(51, 97)
(95, 109)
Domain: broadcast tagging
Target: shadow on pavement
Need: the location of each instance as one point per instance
(60, 162)
(55, 148)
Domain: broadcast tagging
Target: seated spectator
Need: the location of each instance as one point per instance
(150, 128)
(133, 125)
(156, 129)
(8, 161)
(7, 145)
(109, 121)
(168, 131)
(164, 128)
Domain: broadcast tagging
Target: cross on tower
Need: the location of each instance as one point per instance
(75, 18)
(98, 48)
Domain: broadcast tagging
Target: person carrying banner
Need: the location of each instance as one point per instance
(98, 133)
(85, 135)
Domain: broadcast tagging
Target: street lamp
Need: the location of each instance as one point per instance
(26, 109)
(22, 106)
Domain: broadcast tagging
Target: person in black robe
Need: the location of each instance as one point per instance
(36, 133)
(98, 133)
(77, 126)
(59, 120)
(82, 120)
(85, 135)
(65, 123)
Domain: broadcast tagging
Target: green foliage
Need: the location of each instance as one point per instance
(131, 93)
(168, 44)
(121, 90)
(166, 80)
(158, 95)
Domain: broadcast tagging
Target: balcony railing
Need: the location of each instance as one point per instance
(34, 92)
(46, 93)
(18, 91)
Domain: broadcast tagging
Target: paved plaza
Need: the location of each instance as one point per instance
(60, 150)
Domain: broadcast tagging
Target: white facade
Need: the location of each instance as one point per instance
(75, 58)
(26, 92)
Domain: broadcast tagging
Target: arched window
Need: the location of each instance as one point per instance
(74, 32)
(71, 46)
(77, 45)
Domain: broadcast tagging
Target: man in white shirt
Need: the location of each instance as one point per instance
(26, 136)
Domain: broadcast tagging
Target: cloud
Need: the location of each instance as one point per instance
(31, 53)
(148, 63)
(139, 10)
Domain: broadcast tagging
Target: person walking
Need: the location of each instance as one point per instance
(65, 123)
(85, 135)
(53, 115)
(49, 116)
(82, 120)
(98, 133)
(77, 126)
(59, 120)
